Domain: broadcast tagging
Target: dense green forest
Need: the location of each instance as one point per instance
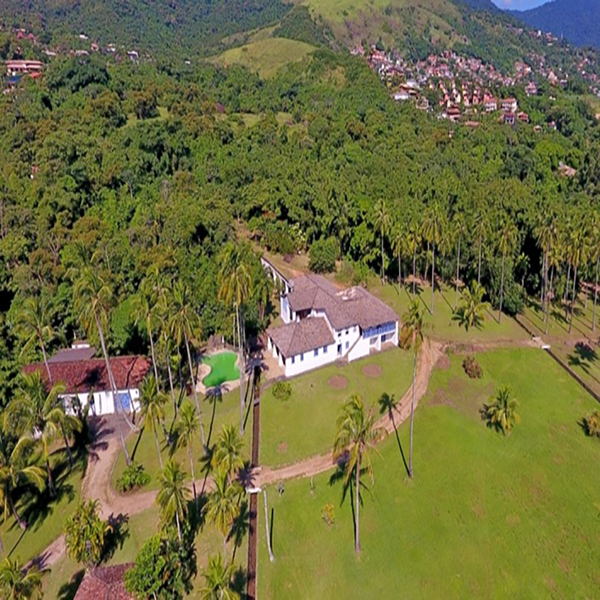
(137, 171)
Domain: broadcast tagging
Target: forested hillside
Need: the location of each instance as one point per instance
(576, 20)
(139, 170)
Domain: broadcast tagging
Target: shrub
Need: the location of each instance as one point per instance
(282, 390)
(328, 515)
(591, 424)
(472, 367)
(322, 255)
(133, 477)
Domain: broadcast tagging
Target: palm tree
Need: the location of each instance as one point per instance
(33, 322)
(152, 408)
(480, 230)
(413, 242)
(458, 225)
(222, 505)
(506, 243)
(399, 243)
(15, 469)
(470, 310)
(578, 249)
(144, 303)
(382, 222)
(235, 287)
(187, 428)
(356, 435)
(19, 583)
(85, 534)
(501, 411)
(433, 231)
(546, 233)
(595, 256)
(413, 334)
(183, 324)
(228, 451)
(173, 495)
(217, 577)
(42, 416)
(93, 301)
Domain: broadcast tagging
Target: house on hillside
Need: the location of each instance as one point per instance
(490, 103)
(86, 379)
(22, 67)
(510, 105)
(323, 324)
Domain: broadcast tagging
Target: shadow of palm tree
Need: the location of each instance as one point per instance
(583, 356)
(214, 396)
(241, 527)
(68, 590)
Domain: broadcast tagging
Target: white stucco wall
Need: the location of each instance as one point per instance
(309, 361)
(103, 401)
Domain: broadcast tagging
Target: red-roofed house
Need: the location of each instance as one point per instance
(86, 378)
(104, 583)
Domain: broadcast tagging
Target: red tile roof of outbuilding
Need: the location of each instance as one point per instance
(105, 583)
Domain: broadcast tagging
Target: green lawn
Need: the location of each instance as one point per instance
(132, 119)
(440, 324)
(46, 516)
(266, 56)
(139, 528)
(305, 424)
(143, 446)
(486, 516)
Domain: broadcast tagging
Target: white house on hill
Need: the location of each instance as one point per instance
(324, 323)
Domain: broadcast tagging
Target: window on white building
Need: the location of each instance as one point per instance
(301, 357)
(324, 349)
(373, 341)
(316, 352)
(293, 359)
(347, 345)
(346, 332)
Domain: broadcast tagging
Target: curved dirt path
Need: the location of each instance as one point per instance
(96, 483)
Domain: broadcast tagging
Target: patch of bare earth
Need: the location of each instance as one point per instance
(443, 362)
(282, 448)
(372, 371)
(337, 382)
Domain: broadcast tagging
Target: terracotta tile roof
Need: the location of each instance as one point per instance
(82, 376)
(73, 354)
(105, 583)
(301, 336)
(344, 308)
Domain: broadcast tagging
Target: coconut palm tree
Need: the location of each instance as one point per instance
(184, 324)
(471, 306)
(433, 230)
(506, 243)
(16, 468)
(173, 495)
(33, 323)
(144, 303)
(595, 256)
(399, 246)
(93, 302)
(42, 416)
(501, 412)
(382, 221)
(222, 505)
(413, 334)
(152, 408)
(356, 435)
(227, 454)
(19, 583)
(458, 226)
(413, 243)
(235, 287)
(217, 577)
(480, 230)
(578, 252)
(187, 428)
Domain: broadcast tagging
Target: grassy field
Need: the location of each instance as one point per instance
(266, 56)
(59, 583)
(143, 447)
(305, 424)
(486, 516)
(440, 324)
(132, 119)
(46, 516)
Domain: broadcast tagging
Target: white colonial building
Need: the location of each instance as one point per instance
(86, 380)
(324, 324)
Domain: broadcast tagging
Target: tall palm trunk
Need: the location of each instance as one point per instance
(412, 411)
(548, 301)
(68, 448)
(457, 274)
(566, 293)
(192, 375)
(50, 479)
(414, 272)
(543, 290)
(573, 298)
(225, 546)
(479, 262)
(113, 387)
(178, 525)
(191, 455)
(170, 372)
(160, 461)
(45, 360)
(399, 273)
(153, 354)
(13, 509)
(241, 354)
(595, 296)
(501, 290)
(382, 261)
(357, 506)
(432, 275)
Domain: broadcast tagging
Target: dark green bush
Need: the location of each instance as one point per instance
(133, 477)
(322, 255)
(282, 390)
